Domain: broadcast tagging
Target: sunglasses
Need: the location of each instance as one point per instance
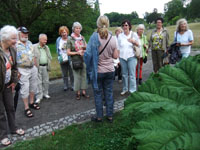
(126, 25)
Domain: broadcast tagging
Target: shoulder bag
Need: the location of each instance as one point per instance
(136, 49)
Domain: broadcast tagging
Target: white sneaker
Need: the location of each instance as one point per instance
(38, 101)
(123, 93)
(47, 96)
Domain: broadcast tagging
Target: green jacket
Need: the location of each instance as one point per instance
(37, 55)
(71, 45)
(14, 69)
(165, 41)
(144, 41)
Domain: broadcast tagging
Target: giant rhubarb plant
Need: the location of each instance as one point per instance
(166, 109)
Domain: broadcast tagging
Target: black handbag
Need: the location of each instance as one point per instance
(175, 52)
(145, 59)
(77, 63)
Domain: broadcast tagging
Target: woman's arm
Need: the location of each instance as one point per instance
(186, 44)
(70, 53)
(116, 54)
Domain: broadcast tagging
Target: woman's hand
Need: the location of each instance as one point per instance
(12, 86)
(132, 41)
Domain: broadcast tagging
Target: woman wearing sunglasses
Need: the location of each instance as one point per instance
(126, 40)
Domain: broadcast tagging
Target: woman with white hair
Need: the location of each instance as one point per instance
(143, 44)
(184, 37)
(8, 80)
(101, 50)
(76, 47)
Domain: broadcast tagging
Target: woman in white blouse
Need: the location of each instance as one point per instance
(128, 61)
(184, 37)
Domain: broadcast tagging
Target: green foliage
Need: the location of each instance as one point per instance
(151, 17)
(166, 109)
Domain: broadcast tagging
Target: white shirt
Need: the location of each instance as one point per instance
(61, 45)
(184, 39)
(125, 47)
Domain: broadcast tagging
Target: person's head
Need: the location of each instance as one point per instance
(8, 35)
(23, 34)
(76, 28)
(102, 26)
(42, 39)
(63, 32)
(126, 25)
(159, 23)
(181, 25)
(118, 31)
(140, 29)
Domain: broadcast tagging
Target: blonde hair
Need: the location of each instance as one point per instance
(118, 29)
(103, 25)
(179, 22)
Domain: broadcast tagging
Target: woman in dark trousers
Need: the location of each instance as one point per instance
(8, 80)
(98, 57)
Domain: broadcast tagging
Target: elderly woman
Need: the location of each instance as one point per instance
(101, 50)
(128, 61)
(158, 44)
(76, 47)
(116, 61)
(8, 80)
(63, 58)
(143, 44)
(184, 37)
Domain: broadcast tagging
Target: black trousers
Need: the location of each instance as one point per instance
(16, 97)
(6, 108)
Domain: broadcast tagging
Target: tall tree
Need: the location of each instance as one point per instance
(25, 12)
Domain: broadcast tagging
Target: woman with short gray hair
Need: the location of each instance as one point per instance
(143, 44)
(8, 80)
(76, 47)
(184, 37)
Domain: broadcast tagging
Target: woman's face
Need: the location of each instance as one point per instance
(159, 24)
(125, 27)
(117, 32)
(183, 26)
(64, 34)
(12, 41)
(140, 31)
(77, 30)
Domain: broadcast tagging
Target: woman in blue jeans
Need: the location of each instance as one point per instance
(101, 50)
(128, 61)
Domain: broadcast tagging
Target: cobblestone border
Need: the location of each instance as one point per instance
(49, 127)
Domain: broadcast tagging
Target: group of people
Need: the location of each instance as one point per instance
(96, 62)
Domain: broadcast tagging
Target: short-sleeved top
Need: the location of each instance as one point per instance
(186, 37)
(106, 63)
(25, 54)
(125, 47)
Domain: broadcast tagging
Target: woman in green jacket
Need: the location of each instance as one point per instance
(143, 44)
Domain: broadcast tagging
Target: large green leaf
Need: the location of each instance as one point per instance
(166, 108)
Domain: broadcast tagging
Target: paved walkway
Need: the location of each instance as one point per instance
(63, 110)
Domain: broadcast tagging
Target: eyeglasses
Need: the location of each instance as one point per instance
(125, 25)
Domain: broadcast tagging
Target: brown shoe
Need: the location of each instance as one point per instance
(78, 96)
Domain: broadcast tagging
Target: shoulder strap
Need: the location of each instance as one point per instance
(176, 36)
(105, 46)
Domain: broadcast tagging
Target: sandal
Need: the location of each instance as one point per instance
(95, 119)
(19, 132)
(78, 96)
(5, 142)
(85, 95)
(110, 119)
(34, 106)
(28, 113)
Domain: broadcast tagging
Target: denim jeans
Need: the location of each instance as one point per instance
(105, 89)
(128, 73)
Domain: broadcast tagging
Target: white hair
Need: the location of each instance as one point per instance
(41, 35)
(6, 32)
(179, 22)
(140, 26)
(76, 24)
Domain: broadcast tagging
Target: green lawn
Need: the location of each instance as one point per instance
(87, 136)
